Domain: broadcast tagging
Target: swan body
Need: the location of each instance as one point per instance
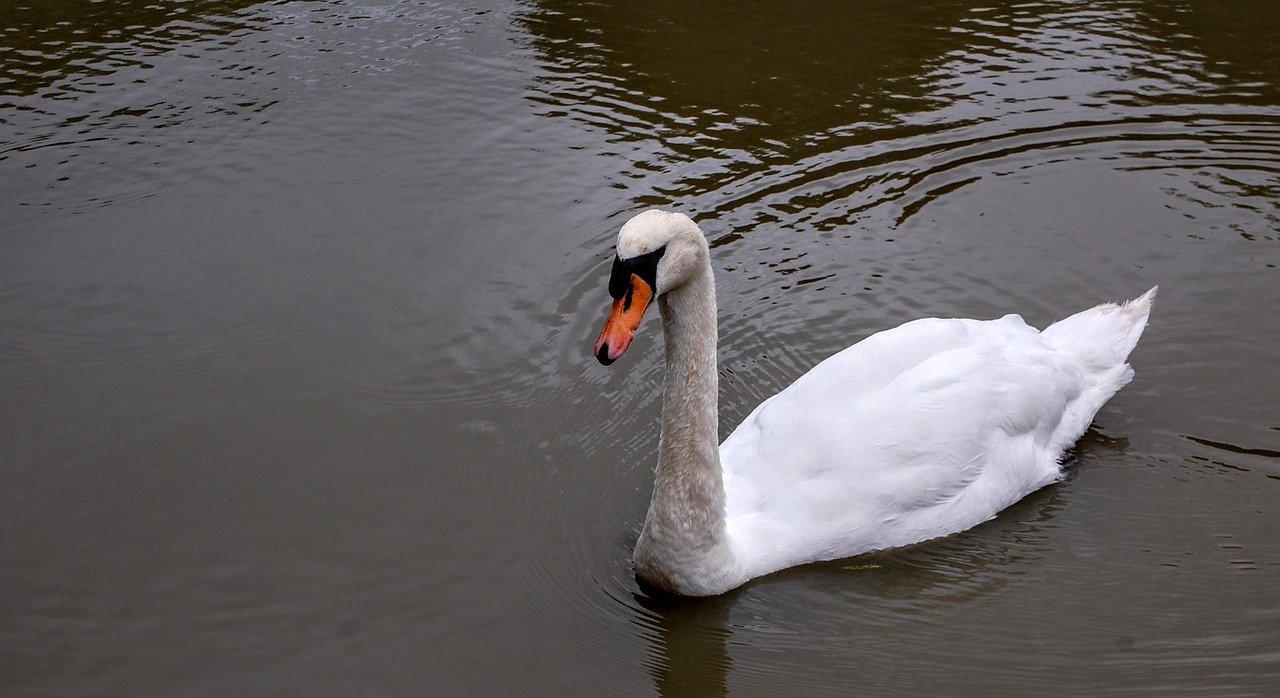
(913, 433)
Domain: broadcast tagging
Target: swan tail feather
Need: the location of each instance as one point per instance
(1103, 336)
(1101, 339)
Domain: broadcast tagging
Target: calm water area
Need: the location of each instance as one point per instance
(297, 301)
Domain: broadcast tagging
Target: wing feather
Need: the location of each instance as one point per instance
(921, 424)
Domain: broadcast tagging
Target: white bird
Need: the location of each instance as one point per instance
(912, 433)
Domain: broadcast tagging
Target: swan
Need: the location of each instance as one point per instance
(913, 433)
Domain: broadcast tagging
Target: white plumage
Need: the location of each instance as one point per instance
(913, 433)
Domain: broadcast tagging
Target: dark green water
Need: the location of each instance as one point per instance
(297, 302)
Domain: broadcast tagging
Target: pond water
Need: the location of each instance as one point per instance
(297, 302)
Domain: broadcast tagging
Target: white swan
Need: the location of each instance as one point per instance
(913, 433)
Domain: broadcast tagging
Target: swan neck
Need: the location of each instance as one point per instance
(690, 403)
(684, 546)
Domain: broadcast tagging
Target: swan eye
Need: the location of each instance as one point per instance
(644, 266)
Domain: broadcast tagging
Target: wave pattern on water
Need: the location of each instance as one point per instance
(1033, 78)
(104, 91)
(345, 383)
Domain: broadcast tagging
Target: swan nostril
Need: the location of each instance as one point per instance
(602, 354)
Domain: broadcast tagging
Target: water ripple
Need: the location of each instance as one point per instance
(102, 99)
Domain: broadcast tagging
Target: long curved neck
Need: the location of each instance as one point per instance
(684, 547)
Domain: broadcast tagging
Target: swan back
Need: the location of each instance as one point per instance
(916, 432)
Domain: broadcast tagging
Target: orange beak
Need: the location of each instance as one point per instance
(624, 318)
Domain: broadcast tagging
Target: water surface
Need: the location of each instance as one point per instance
(297, 300)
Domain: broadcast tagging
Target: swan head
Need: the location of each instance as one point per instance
(658, 251)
